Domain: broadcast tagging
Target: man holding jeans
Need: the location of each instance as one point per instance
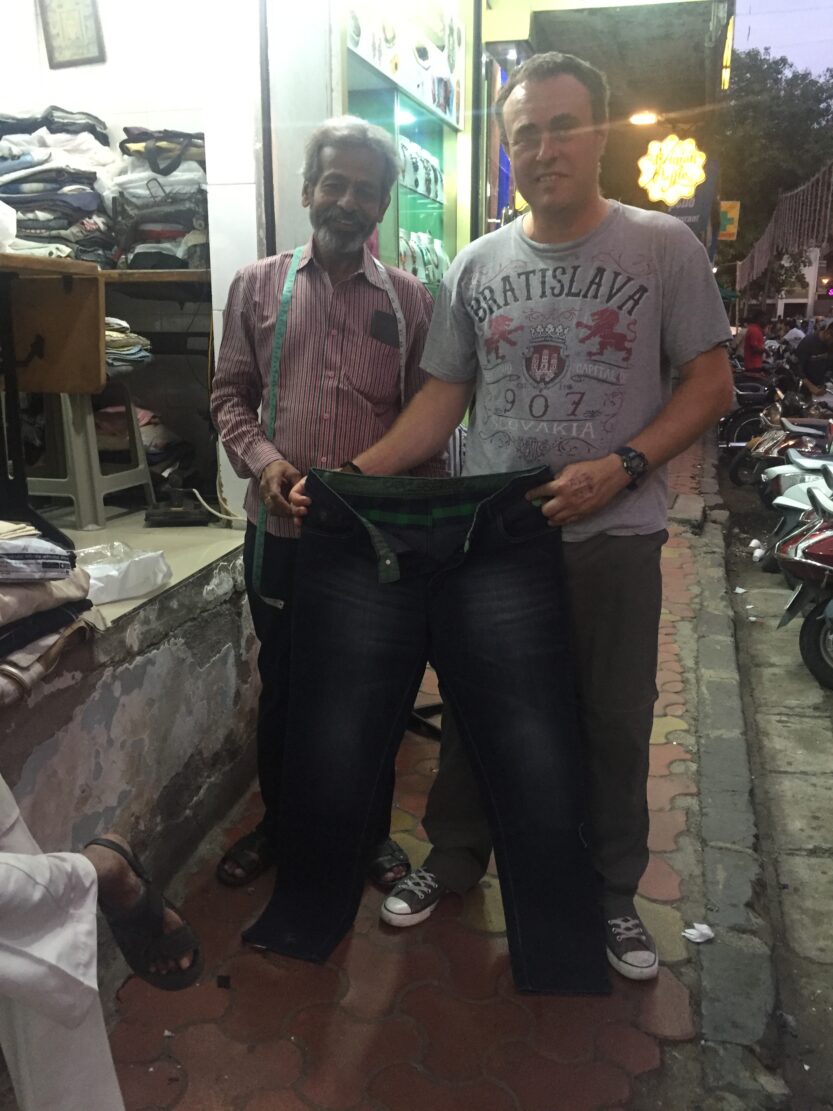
(350, 357)
(564, 326)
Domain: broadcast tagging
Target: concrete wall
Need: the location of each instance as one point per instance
(147, 728)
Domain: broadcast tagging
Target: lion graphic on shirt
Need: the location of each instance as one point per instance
(605, 329)
(501, 331)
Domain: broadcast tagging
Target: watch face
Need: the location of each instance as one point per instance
(635, 463)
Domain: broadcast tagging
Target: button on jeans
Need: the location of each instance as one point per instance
(465, 572)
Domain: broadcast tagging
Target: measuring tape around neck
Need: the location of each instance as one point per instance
(274, 381)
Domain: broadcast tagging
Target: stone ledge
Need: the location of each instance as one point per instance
(688, 510)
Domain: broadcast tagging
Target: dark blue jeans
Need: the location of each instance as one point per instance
(390, 573)
(273, 628)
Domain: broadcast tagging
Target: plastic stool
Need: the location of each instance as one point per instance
(72, 452)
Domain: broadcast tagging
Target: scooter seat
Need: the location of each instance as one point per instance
(808, 427)
(797, 500)
(808, 462)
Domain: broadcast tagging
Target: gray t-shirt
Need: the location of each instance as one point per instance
(572, 346)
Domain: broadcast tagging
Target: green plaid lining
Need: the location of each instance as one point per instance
(425, 520)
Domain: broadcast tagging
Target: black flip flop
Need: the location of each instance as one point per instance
(252, 853)
(389, 855)
(139, 933)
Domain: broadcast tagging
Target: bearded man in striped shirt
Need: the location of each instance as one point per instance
(348, 363)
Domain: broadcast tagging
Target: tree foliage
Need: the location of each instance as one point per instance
(772, 134)
(781, 275)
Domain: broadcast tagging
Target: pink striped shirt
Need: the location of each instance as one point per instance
(339, 387)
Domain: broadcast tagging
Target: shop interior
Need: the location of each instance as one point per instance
(171, 189)
(120, 426)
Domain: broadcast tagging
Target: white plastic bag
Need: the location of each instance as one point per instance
(118, 571)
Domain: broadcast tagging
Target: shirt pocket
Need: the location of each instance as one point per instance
(370, 368)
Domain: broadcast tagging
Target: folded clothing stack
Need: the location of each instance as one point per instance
(160, 443)
(31, 558)
(159, 201)
(123, 348)
(43, 605)
(53, 168)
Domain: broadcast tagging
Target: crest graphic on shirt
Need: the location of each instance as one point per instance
(605, 329)
(544, 358)
(501, 331)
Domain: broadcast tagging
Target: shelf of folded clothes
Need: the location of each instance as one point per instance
(123, 349)
(73, 196)
(159, 201)
(44, 606)
(52, 170)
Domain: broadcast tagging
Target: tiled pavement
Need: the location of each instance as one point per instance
(426, 1019)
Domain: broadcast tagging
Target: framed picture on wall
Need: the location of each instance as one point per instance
(71, 32)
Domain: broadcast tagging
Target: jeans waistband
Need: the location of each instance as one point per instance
(415, 503)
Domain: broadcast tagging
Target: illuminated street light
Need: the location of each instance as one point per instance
(643, 119)
(671, 170)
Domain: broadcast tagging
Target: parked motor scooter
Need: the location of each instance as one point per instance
(807, 557)
(768, 449)
(796, 478)
(753, 395)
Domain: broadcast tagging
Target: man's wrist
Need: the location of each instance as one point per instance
(633, 463)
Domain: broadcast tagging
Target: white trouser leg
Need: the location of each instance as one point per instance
(51, 1024)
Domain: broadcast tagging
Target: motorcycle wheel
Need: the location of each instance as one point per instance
(815, 642)
(742, 427)
(743, 470)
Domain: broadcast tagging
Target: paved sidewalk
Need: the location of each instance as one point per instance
(426, 1019)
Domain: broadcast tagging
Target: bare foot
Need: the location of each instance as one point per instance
(119, 889)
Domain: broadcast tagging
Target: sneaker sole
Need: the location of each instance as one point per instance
(631, 971)
(402, 920)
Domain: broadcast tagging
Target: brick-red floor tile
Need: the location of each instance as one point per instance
(660, 881)
(218, 1066)
(275, 1101)
(476, 962)
(662, 756)
(156, 1085)
(140, 1003)
(662, 790)
(630, 1049)
(565, 1026)
(266, 990)
(665, 1009)
(343, 1053)
(406, 1088)
(540, 1084)
(666, 827)
(376, 977)
(463, 1034)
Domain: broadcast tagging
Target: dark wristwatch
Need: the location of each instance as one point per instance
(349, 467)
(634, 462)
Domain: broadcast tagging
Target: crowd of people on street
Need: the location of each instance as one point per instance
(808, 342)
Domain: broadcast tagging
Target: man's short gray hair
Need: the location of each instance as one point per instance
(344, 131)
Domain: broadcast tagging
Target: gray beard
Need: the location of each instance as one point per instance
(340, 243)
